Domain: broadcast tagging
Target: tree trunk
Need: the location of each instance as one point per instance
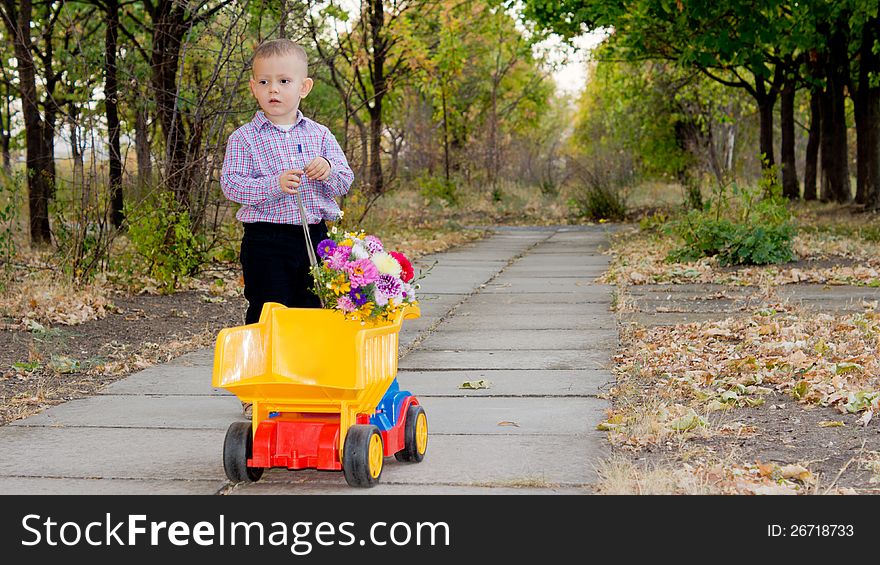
(39, 159)
(812, 157)
(168, 31)
(111, 95)
(76, 155)
(866, 99)
(766, 101)
(6, 137)
(445, 135)
(790, 187)
(377, 23)
(868, 143)
(835, 167)
(142, 147)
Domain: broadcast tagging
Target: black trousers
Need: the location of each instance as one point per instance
(275, 265)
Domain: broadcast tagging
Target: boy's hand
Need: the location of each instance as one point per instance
(290, 180)
(318, 169)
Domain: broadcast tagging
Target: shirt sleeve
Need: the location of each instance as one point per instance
(238, 179)
(341, 175)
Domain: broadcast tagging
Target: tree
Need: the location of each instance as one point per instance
(18, 17)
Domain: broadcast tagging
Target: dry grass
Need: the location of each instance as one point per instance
(621, 476)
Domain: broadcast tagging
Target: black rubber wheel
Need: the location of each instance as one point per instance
(415, 435)
(363, 454)
(237, 448)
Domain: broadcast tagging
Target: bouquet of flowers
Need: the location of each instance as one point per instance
(361, 279)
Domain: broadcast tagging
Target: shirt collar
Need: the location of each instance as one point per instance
(260, 120)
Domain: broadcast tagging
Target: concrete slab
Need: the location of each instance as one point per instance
(521, 339)
(479, 460)
(121, 453)
(282, 483)
(529, 310)
(582, 382)
(548, 260)
(180, 413)
(494, 359)
(505, 283)
(169, 379)
(91, 487)
(539, 298)
(516, 322)
(587, 271)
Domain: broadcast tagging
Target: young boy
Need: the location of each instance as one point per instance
(267, 161)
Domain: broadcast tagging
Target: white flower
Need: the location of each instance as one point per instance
(358, 251)
(333, 230)
(386, 264)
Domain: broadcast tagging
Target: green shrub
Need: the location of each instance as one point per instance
(437, 188)
(10, 186)
(753, 226)
(599, 203)
(161, 233)
(602, 192)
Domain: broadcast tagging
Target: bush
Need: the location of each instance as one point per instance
(599, 203)
(754, 227)
(436, 188)
(602, 196)
(161, 232)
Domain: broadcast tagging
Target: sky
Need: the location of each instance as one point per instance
(571, 76)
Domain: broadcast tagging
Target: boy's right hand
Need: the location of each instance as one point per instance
(290, 180)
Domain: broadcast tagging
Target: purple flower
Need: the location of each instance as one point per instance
(373, 243)
(361, 272)
(325, 248)
(358, 297)
(390, 286)
(339, 258)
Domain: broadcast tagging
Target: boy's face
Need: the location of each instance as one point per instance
(279, 83)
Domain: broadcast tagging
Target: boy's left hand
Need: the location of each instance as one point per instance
(318, 169)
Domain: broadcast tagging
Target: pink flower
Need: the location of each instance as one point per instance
(345, 304)
(339, 258)
(373, 243)
(361, 272)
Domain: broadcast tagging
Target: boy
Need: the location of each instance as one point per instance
(267, 161)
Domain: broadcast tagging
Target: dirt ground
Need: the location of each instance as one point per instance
(835, 447)
(42, 368)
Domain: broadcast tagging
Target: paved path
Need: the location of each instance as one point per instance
(517, 309)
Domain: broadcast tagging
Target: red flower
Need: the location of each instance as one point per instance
(406, 272)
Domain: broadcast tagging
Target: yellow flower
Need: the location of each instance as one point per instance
(347, 242)
(339, 285)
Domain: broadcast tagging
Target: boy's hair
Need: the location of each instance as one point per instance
(278, 47)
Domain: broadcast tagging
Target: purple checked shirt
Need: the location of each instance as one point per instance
(258, 151)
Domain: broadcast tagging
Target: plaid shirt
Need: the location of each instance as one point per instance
(258, 151)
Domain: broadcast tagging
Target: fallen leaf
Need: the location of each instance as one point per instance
(796, 472)
(831, 424)
(774, 490)
(473, 385)
(687, 422)
(766, 469)
(508, 423)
